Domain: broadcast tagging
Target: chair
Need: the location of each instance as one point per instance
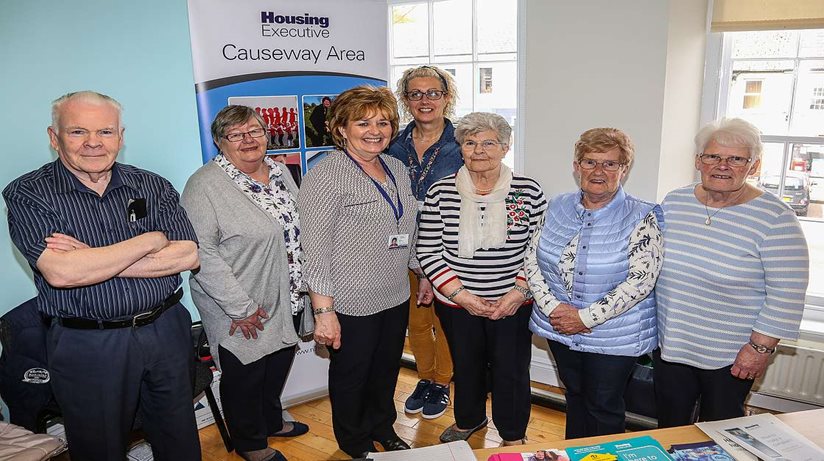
(202, 380)
(24, 374)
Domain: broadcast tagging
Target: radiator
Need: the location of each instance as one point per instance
(795, 374)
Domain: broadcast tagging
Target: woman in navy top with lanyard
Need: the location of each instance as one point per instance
(427, 146)
(358, 218)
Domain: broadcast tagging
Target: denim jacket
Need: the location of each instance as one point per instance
(447, 162)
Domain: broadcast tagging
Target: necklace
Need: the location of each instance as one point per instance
(710, 216)
(484, 191)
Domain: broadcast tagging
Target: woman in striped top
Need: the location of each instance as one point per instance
(473, 231)
(733, 281)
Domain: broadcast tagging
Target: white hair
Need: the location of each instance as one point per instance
(91, 97)
(731, 132)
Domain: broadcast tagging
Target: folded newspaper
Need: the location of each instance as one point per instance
(761, 437)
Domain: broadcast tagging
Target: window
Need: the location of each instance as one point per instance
(752, 94)
(486, 80)
(473, 40)
(775, 79)
(817, 102)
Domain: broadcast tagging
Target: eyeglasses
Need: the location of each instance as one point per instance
(432, 95)
(485, 145)
(732, 160)
(607, 165)
(235, 137)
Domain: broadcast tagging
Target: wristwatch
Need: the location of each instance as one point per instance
(524, 291)
(762, 349)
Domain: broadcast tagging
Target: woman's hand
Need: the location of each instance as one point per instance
(250, 325)
(507, 305)
(566, 321)
(749, 364)
(327, 329)
(425, 294)
(474, 304)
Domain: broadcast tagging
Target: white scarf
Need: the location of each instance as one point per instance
(472, 234)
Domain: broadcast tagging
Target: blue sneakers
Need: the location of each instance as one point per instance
(416, 401)
(436, 401)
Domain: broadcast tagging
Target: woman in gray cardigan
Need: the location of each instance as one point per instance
(243, 207)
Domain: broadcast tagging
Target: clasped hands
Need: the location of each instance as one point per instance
(505, 306)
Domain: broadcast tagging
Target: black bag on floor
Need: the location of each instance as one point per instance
(640, 394)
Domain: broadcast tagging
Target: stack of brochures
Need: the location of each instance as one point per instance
(761, 437)
(635, 449)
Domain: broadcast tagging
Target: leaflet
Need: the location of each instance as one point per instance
(763, 436)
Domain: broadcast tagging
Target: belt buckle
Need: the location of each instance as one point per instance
(141, 316)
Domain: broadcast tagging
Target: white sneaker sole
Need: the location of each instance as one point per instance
(412, 412)
(436, 415)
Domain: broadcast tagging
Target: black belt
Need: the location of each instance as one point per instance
(139, 320)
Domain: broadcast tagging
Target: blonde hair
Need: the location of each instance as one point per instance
(604, 140)
(447, 84)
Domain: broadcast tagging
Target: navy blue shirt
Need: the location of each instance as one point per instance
(51, 199)
(444, 157)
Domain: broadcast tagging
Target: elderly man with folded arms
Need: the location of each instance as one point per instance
(106, 243)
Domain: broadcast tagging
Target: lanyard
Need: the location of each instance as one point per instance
(424, 170)
(396, 210)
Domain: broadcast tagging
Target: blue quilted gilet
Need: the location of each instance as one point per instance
(601, 263)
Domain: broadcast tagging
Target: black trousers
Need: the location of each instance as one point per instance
(250, 396)
(678, 388)
(362, 377)
(101, 378)
(501, 348)
(595, 386)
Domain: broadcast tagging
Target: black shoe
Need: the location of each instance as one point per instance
(394, 443)
(297, 429)
(361, 454)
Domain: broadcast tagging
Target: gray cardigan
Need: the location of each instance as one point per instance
(243, 264)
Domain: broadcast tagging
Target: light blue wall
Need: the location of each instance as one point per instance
(137, 52)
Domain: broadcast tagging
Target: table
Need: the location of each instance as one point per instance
(809, 423)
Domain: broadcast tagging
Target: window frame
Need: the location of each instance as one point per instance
(477, 60)
(715, 100)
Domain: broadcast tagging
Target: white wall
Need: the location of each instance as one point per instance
(631, 64)
(636, 65)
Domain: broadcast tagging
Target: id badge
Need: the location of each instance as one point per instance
(398, 241)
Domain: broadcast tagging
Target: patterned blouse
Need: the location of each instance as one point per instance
(275, 199)
(646, 248)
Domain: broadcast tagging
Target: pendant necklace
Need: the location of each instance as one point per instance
(710, 216)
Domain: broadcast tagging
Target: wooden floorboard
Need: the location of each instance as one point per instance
(319, 444)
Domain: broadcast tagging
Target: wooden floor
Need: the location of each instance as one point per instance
(319, 444)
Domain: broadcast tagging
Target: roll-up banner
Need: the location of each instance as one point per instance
(288, 60)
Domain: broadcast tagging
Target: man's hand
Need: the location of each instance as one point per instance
(566, 321)
(63, 243)
(250, 325)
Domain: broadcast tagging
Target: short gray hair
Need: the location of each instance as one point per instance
(233, 115)
(477, 122)
(92, 97)
(731, 132)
